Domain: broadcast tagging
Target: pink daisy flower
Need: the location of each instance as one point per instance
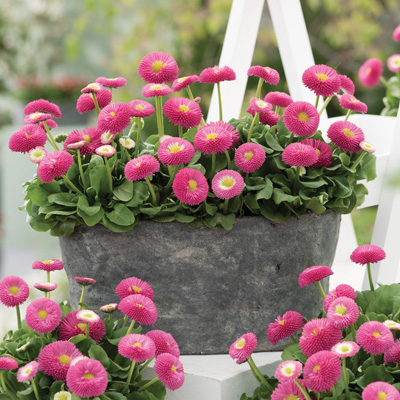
(346, 136)
(48, 265)
(212, 139)
(396, 34)
(92, 88)
(158, 67)
(349, 102)
(249, 157)
(227, 184)
(43, 315)
(137, 348)
(345, 349)
(84, 281)
(106, 150)
(183, 112)
(141, 167)
(63, 395)
(36, 117)
(314, 274)
(322, 371)
(392, 325)
(374, 337)
(229, 128)
(13, 291)
(114, 118)
(343, 312)
(45, 286)
(340, 291)
(85, 101)
(367, 253)
(87, 378)
(323, 150)
(190, 186)
(37, 154)
(259, 105)
(7, 363)
(392, 354)
(91, 136)
(169, 371)
(50, 124)
(175, 151)
(139, 308)
(27, 372)
(70, 326)
(280, 99)
(368, 147)
(141, 108)
(111, 82)
(54, 359)
(127, 143)
(216, 74)
(287, 391)
(346, 84)
(319, 334)
(269, 75)
(43, 106)
(109, 308)
(107, 137)
(322, 80)
(87, 316)
(299, 155)
(370, 72)
(380, 390)
(301, 118)
(270, 118)
(164, 342)
(288, 371)
(182, 83)
(27, 138)
(134, 285)
(54, 165)
(156, 89)
(284, 326)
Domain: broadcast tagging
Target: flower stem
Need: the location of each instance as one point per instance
(334, 393)
(128, 380)
(384, 81)
(259, 86)
(325, 104)
(174, 170)
(362, 155)
(81, 169)
(138, 138)
(254, 373)
(130, 327)
(354, 332)
(145, 365)
(50, 136)
(213, 164)
(128, 157)
(219, 101)
(153, 194)
(96, 104)
(48, 276)
(292, 339)
(316, 101)
(278, 110)
(252, 126)
(71, 184)
(321, 290)
(228, 159)
(304, 391)
(3, 383)
(124, 321)
(180, 130)
(18, 317)
(226, 203)
(345, 378)
(82, 297)
(159, 116)
(87, 329)
(148, 384)
(373, 359)
(348, 115)
(371, 282)
(110, 182)
(260, 375)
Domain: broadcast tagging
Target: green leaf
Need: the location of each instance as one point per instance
(266, 192)
(293, 352)
(38, 195)
(280, 196)
(314, 184)
(115, 227)
(315, 206)
(64, 199)
(98, 353)
(121, 215)
(99, 180)
(272, 142)
(114, 396)
(83, 205)
(65, 228)
(227, 221)
(149, 209)
(211, 208)
(124, 192)
(373, 374)
(140, 194)
(184, 218)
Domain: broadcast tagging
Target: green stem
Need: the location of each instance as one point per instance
(259, 86)
(124, 321)
(278, 110)
(71, 184)
(321, 291)
(213, 164)
(145, 365)
(348, 115)
(334, 393)
(260, 375)
(18, 317)
(112, 95)
(371, 282)
(292, 339)
(50, 136)
(254, 373)
(128, 380)
(361, 156)
(345, 378)
(353, 331)
(226, 203)
(153, 194)
(3, 383)
(228, 159)
(138, 138)
(48, 276)
(96, 104)
(159, 116)
(87, 330)
(325, 104)
(172, 176)
(252, 126)
(373, 359)
(135, 122)
(180, 130)
(219, 101)
(110, 181)
(81, 169)
(147, 384)
(82, 297)
(130, 328)
(304, 391)
(317, 101)
(127, 154)
(384, 81)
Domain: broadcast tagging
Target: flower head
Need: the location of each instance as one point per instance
(190, 186)
(169, 371)
(139, 308)
(343, 312)
(288, 371)
(346, 84)
(392, 354)
(13, 291)
(107, 137)
(36, 117)
(43, 315)
(109, 308)
(227, 184)
(128, 143)
(48, 265)
(396, 34)
(164, 342)
(85, 101)
(212, 139)
(37, 154)
(114, 118)
(345, 349)
(370, 72)
(43, 106)
(90, 136)
(111, 82)
(27, 372)
(270, 118)
(242, 348)
(107, 150)
(368, 147)
(287, 391)
(141, 108)
(84, 281)
(87, 316)
(182, 83)
(8, 363)
(259, 105)
(62, 395)
(217, 74)
(54, 165)
(269, 75)
(134, 285)
(367, 253)
(279, 99)
(137, 348)
(141, 167)
(156, 89)
(230, 129)
(45, 286)
(249, 157)
(392, 325)
(323, 150)
(314, 274)
(301, 118)
(349, 102)
(92, 88)
(374, 337)
(346, 135)
(175, 151)
(299, 155)
(183, 112)
(284, 326)
(340, 291)
(158, 67)
(322, 80)
(379, 390)
(27, 138)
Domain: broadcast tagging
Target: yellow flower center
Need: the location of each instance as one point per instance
(240, 344)
(88, 376)
(93, 86)
(182, 79)
(192, 185)
(64, 359)
(345, 349)
(316, 368)
(368, 70)
(303, 116)
(376, 334)
(382, 396)
(86, 138)
(348, 132)
(137, 345)
(322, 77)
(288, 370)
(139, 305)
(136, 289)
(173, 368)
(248, 155)
(211, 136)
(42, 314)
(341, 310)
(112, 113)
(28, 371)
(315, 332)
(157, 66)
(139, 108)
(35, 116)
(175, 149)
(318, 151)
(292, 397)
(183, 108)
(267, 70)
(216, 71)
(282, 322)
(63, 397)
(82, 326)
(260, 104)
(353, 100)
(87, 315)
(156, 87)
(228, 182)
(37, 153)
(138, 164)
(27, 135)
(13, 290)
(49, 261)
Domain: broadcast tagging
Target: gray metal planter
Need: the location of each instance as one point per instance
(211, 286)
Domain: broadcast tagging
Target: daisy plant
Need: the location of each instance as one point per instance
(272, 162)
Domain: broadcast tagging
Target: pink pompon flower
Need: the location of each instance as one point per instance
(92, 88)
(128, 143)
(45, 286)
(392, 325)
(368, 147)
(139, 308)
(285, 326)
(227, 184)
(87, 316)
(345, 349)
(141, 167)
(190, 186)
(164, 342)
(43, 315)
(36, 117)
(8, 363)
(322, 80)
(50, 124)
(288, 391)
(242, 348)
(301, 118)
(346, 84)
(269, 75)
(84, 281)
(392, 354)
(175, 151)
(396, 34)
(91, 137)
(259, 105)
(217, 74)
(299, 155)
(346, 136)
(137, 347)
(349, 102)
(314, 274)
(393, 63)
(109, 308)
(319, 334)
(270, 118)
(249, 157)
(134, 285)
(212, 139)
(54, 359)
(48, 265)
(323, 150)
(230, 129)
(379, 390)
(114, 118)
(111, 82)
(169, 371)
(107, 137)
(343, 312)
(184, 82)
(280, 99)
(87, 378)
(37, 154)
(367, 253)
(27, 372)
(85, 101)
(340, 291)
(43, 106)
(156, 89)
(27, 138)
(106, 150)
(183, 112)
(141, 108)
(374, 337)
(158, 67)
(13, 291)
(288, 371)
(54, 165)
(370, 72)
(322, 371)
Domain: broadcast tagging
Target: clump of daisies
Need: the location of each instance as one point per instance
(350, 350)
(66, 354)
(274, 161)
